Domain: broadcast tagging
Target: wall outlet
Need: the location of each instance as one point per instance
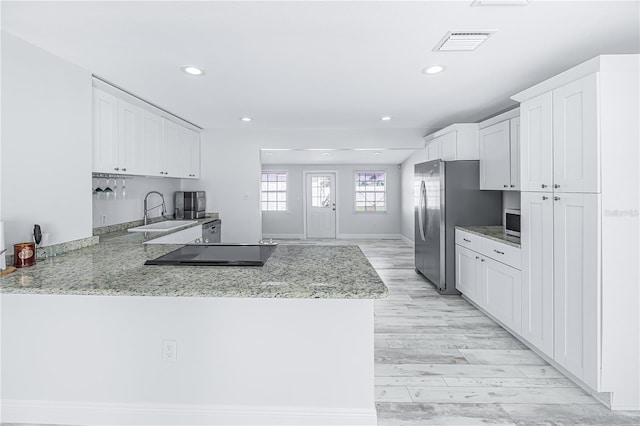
(103, 219)
(169, 350)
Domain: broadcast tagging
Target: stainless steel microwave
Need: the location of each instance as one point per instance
(512, 222)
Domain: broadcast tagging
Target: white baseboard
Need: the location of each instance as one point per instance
(83, 413)
(369, 236)
(408, 241)
(285, 236)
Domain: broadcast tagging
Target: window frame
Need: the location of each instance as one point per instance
(266, 191)
(356, 192)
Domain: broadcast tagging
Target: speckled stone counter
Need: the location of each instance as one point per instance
(492, 232)
(116, 267)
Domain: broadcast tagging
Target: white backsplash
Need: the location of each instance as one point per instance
(121, 210)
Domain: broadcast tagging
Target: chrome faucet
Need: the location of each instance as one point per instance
(145, 216)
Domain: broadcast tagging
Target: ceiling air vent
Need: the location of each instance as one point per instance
(462, 41)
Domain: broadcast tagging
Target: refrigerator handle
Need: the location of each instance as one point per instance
(422, 210)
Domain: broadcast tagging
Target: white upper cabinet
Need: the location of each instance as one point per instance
(150, 140)
(131, 137)
(455, 142)
(536, 143)
(499, 143)
(575, 137)
(105, 132)
(560, 142)
(514, 153)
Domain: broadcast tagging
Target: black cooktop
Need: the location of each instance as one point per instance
(217, 255)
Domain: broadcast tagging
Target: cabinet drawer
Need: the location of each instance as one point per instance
(468, 240)
(502, 253)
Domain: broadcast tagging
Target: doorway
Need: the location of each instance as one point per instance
(320, 205)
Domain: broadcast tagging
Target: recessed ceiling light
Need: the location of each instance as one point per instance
(325, 153)
(192, 70)
(246, 119)
(320, 149)
(377, 153)
(434, 69)
(385, 118)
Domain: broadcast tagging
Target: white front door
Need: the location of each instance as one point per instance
(321, 205)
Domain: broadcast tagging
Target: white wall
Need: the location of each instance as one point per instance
(230, 167)
(239, 360)
(230, 174)
(46, 144)
(349, 223)
(407, 193)
(121, 210)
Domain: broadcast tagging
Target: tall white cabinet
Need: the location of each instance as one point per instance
(580, 249)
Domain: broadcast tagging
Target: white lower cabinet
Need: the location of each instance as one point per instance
(493, 285)
(468, 273)
(502, 292)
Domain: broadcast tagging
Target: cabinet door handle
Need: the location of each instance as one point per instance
(512, 186)
(543, 185)
(556, 198)
(506, 186)
(116, 168)
(477, 257)
(464, 239)
(124, 169)
(544, 197)
(498, 251)
(481, 260)
(556, 186)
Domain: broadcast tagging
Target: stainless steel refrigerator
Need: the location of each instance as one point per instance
(448, 194)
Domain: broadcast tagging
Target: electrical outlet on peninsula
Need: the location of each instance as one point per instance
(169, 350)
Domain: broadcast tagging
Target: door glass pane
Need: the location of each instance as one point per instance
(320, 191)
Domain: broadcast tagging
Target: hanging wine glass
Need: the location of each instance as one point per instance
(115, 189)
(108, 191)
(98, 191)
(124, 189)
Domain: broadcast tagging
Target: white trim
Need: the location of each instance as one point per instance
(451, 128)
(602, 63)
(285, 236)
(369, 236)
(512, 113)
(407, 241)
(82, 413)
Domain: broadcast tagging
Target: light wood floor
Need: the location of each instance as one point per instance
(440, 361)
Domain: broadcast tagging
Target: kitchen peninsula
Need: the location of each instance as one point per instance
(94, 336)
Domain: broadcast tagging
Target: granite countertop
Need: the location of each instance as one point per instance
(492, 232)
(116, 267)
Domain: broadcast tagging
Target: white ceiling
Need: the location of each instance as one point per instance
(324, 65)
(334, 156)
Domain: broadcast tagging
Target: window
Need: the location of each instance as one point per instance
(274, 191)
(370, 192)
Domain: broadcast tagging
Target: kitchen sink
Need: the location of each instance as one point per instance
(167, 225)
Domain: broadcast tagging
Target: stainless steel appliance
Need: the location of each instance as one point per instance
(448, 194)
(190, 204)
(212, 231)
(512, 222)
